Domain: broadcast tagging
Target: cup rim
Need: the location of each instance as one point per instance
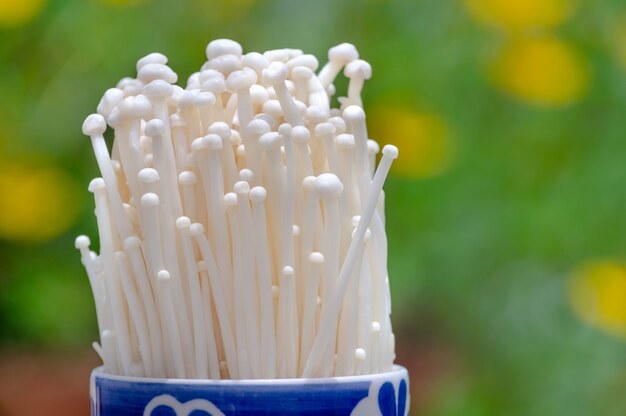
(396, 371)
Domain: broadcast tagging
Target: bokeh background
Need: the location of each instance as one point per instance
(506, 209)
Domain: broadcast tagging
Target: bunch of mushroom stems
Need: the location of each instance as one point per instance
(240, 220)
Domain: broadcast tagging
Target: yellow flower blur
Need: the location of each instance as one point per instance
(542, 70)
(14, 13)
(422, 137)
(520, 14)
(38, 204)
(598, 295)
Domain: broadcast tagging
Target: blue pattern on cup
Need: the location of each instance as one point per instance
(126, 396)
(402, 398)
(387, 399)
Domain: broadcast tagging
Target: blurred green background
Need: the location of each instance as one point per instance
(506, 210)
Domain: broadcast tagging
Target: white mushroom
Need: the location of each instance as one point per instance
(220, 47)
(111, 98)
(301, 76)
(357, 71)
(307, 60)
(255, 61)
(152, 58)
(224, 64)
(130, 86)
(275, 76)
(239, 82)
(150, 72)
(338, 57)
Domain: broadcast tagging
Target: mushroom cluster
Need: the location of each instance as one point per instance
(241, 220)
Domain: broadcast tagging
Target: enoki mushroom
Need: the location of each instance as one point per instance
(241, 221)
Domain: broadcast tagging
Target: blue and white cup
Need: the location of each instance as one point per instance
(376, 394)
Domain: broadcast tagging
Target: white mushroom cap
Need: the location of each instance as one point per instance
(111, 98)
(301, 72)
(285, 129)
(328, 185)
(95, 184)
(273, 108)
(353, 113)
(224, 64)
(186, 98)
(220, 47)
(316, 257)
(339, 123)
(230, 199)
(137, 106)
(373, 146)
(94, 124)
(154, 127)
(124, 82)
(276, 73)
(116, 118)
(148, 175)
(255, 61)
(187, 177)
(150, 72)
(131, 86)
(277, 55)
(152, 58)
(209, 73)
(307, 60)
(216, 85)
(300, 134)
(241, 187)
(343, 53)
(150, 200)
(183, 222)
(197, 229)
(258, 194)
(390, 151)
(132, 242)
(198, 144)
(270, 140)
(193, 82)
(82, 241)
(345, 141)
(324, 129)
(204, 99)
(213, 141)
(221, 129)
(259, 127)
(358, 69)
(158, 89)
(258, 94)
(240, 80)
(271, 121)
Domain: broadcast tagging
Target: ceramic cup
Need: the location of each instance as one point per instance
(377, 394)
